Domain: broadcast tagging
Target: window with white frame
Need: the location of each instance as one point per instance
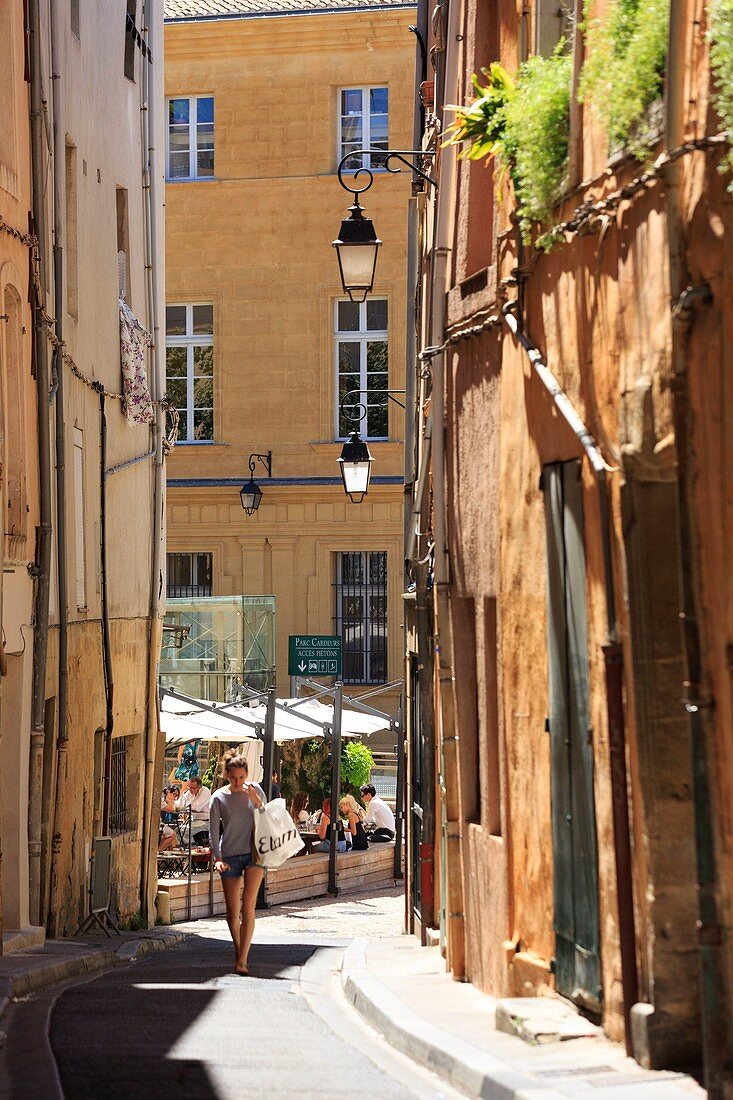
(189, 369)
(363, 124)
(190, 146)
(361, 615)
(362, 364)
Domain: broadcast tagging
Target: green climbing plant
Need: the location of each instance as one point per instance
(524, 125)
(721, 62)
(356, 767)
(626, 54)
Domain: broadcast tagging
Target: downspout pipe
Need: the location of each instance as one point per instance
(45, 525)
(62, 741)
(448, 735)
(109, 685)
(151, 183)
(715, 1021)
(614, 675)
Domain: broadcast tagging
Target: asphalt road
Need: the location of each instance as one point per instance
(181, 1023)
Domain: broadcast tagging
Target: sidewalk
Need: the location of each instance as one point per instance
(403, 991)
(29, 971)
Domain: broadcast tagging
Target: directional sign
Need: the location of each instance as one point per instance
(314, 655)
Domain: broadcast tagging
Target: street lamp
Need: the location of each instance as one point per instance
(356, 247)
(250, 493)
(356, 467)
(355, 460)
(357, 244)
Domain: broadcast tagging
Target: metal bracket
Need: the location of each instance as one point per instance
(385, 156)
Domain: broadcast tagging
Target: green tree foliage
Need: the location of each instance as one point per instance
(356, 767)
(624, 71)
(306, 766)
(721, 61)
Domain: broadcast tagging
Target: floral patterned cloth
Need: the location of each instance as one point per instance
(134, 342)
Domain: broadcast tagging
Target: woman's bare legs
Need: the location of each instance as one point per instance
(252, 880)
(232, 889)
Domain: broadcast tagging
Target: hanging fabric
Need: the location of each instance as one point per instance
(134, 342)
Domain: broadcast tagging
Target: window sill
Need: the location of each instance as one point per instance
(199, 443)
(192, 179)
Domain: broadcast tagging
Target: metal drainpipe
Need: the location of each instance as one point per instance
(716, 1041)
(150, 191)
(613, 666)
(109, 685)
(62, 742)
(45, 529)
(448, 744)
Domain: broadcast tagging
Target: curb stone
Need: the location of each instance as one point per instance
(471, 1071)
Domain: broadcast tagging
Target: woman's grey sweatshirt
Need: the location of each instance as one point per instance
(233, 815)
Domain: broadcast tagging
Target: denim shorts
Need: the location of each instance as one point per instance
(237, 865)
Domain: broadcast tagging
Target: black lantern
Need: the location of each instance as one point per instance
(357, 246)
(250, 493)
(356, 467)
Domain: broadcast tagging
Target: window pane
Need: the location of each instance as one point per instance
(179, 166)
(175, 363)
(378, 101)
(378, 422)
(203, 424)
(348, 356)
(179, 111)
(205, 164)
(203, 319)
(378, 131)
(377, 359)
(205, 110)
(351, 130)
(203, 393)
(203, 361)
(376, 314)
(351, 101)
(378, 567)
(175, 320)
(348, 317)
(182, 424)
(176, 392)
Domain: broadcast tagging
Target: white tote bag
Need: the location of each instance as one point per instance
(276, 837)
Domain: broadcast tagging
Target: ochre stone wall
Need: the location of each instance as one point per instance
(256, 240)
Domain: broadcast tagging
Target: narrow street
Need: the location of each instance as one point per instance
(181, 1020)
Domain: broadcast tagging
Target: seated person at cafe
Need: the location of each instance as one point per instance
(354, 815)
(299, 808)
(197, 797)
(324, 826)
(168, 817)
(378, 814)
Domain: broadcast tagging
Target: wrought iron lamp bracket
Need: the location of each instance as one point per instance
(266, 461)
(346, 406)
(387, 156)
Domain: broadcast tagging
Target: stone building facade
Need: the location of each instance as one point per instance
(83, 536)
(574, 774)
(261, 100)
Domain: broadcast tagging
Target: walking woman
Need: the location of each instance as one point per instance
(232, 816)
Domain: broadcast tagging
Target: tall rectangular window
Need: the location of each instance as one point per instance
(189, 575)
(189, 368)
(363, 124)
(362, 368)
(361, 615)
(79, 510)
(123, 244)
(190, 146)
(118, 787)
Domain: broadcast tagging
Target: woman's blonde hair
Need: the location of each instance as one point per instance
(349, 803)
(232, 758)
